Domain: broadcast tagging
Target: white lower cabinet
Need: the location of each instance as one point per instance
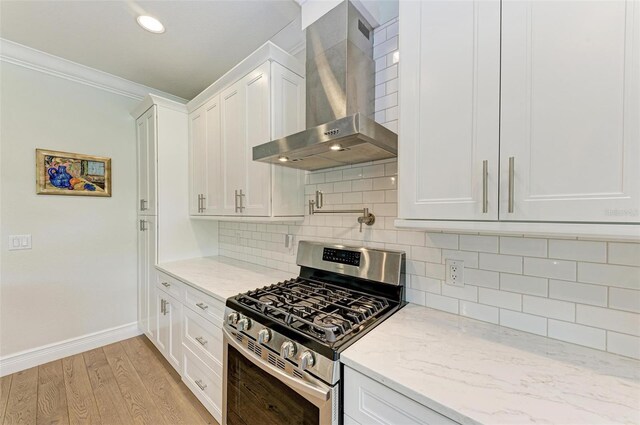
(188, 333)
(147, 256)
(367, 402)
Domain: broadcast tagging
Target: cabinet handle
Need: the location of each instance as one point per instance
(201, 340)
(202, 306)
(202, 200)
(485, 186)
(143, 205)
(166, 284)
(511, 182)
(240, 195)
(319, 199)
(162, 306)
(143, 226)
(236, 201)
(199, 207)
(201, 384)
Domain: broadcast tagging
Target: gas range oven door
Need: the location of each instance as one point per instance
(259, 388)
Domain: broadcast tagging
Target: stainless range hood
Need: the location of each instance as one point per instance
(340, 94)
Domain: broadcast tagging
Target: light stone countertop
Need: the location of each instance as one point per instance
(222, 277)
(475, 372)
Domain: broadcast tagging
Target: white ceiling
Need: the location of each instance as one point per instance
(203, 39)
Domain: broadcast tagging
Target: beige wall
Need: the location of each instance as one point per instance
(80, 276)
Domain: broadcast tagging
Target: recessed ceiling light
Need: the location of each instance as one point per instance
(336, 147)
(283, 159)
(151, 24)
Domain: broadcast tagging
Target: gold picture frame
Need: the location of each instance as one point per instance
(72, 174)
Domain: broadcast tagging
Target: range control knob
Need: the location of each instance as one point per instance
(232, 318)
(307, 360)
(264, 336)
(288, 349)
(243, 324)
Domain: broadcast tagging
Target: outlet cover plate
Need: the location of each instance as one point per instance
(454, 272)
(19, 242)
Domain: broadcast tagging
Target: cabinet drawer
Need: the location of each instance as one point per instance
(205, 384)
(204, 339)
(369, 402)
(171, 286)
(206, 306)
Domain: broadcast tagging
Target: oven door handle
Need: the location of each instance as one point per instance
(313, 393)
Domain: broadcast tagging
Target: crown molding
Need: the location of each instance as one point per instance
(152, 99)
(18, 54)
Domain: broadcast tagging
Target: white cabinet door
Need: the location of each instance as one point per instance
(257, 175)
(212, 200)
(288, 117)
(450, 82)
(147, 317)
(170, 328)
(162, 323)
(198, 160)
(570, 111)
(146, 149)
(233, 159)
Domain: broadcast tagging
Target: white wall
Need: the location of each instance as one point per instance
(594, 302)
(80, 276)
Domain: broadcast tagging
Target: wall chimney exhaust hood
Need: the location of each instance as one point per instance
(340, 94)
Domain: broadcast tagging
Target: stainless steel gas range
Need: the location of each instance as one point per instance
(282, 342)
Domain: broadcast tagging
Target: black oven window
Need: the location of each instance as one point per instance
(256, 398)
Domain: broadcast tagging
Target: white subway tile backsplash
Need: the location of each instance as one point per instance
(578, 334)
(479, 243)
(625, 345)
(612, 275)
(595, 252)
(523, 246)
(624, 299)
(501, 263)
(624, 254)
(479, 312)
(442, 240)
(524, 284)
(527, 283)
(500, 298)
(523, 322)
(442, 303)
(546, 307)
(614, 320)
(556, 269)
(487, 279)
(578, 292)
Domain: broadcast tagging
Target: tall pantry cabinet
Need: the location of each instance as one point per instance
(518, 112)
(165, 232)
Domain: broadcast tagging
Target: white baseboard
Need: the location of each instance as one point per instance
(50, 352)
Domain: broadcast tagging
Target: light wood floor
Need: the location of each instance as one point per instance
(128, 382)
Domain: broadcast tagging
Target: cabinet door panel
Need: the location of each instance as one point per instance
(570, 108)
(198, 154)
(144, 296)
(449, 79)
(233, 124)
(150, 205)
(174, 323)
(288, 116)
(162, 323)
(150, 264)
(257, 178)
(142, 152)
(213, 190)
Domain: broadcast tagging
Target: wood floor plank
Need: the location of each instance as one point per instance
(173, 406)
(82, 404)
(5, 386)
(111, 404)
(139, 402)
(192, 399)
(23, 398)
(52, 398)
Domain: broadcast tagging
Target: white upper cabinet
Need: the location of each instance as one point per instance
(261, 104)
(146, 149)
(449, 85)
(542, 125)
(570, 111)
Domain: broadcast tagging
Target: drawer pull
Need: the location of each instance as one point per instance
(166, 284)
(201, 340)
(202, 306)
(201, 384)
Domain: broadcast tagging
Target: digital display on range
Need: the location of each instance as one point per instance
(341, 256)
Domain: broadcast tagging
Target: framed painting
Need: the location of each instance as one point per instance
(64, 173)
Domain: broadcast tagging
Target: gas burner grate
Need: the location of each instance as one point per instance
(320, 310)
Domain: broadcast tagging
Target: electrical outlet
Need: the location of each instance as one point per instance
(19, 242)
(455, 272)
